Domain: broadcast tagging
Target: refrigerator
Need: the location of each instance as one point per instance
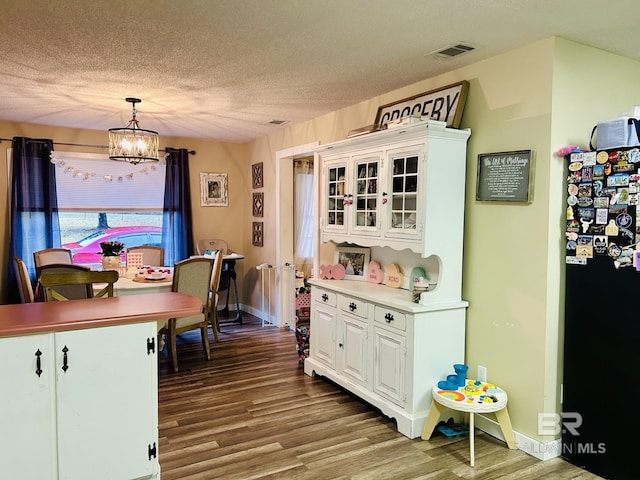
(601, 369)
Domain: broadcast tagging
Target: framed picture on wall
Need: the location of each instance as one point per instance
(355, 261)
(213, 190)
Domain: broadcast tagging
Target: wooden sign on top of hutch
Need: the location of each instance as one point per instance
(401, 188)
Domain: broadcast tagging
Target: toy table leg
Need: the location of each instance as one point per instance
(434, 415)
(472, 452)
(505, 426)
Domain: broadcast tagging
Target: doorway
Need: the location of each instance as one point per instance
(284, 281)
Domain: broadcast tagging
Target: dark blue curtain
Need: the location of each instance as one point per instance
(34, 205)
(177, 233)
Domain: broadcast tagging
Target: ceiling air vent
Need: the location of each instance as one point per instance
(276, 122)
(454, 50)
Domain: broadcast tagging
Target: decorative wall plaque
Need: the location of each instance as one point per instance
(504, 176)
(256, 237)
(258, 203)
(256, 175)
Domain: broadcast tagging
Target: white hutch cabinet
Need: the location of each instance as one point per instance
(401, 188)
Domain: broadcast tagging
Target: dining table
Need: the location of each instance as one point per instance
(141, 282)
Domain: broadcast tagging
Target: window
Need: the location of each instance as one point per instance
(303, 214)
(103, 200)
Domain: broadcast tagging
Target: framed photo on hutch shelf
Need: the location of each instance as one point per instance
(355, 261)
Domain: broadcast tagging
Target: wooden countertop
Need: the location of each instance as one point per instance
(41, 317)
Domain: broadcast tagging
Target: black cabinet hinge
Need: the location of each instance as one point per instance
(153, 451)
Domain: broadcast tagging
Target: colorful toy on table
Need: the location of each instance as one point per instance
(453, 382)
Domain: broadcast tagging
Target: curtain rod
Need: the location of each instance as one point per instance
(191, 152)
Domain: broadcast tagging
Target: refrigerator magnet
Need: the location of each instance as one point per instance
(614, 250)
(602, 157)
(584, 251)
(612, 229)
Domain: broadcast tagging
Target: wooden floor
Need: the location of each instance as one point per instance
(250, 413)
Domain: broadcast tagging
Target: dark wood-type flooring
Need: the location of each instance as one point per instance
(251, 413)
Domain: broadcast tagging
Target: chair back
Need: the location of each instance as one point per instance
(152, 256)
(212, 244)
(193, 277)
(72, 292)
(24, 282)
(48, 256)
(215, 274)
(54, 283)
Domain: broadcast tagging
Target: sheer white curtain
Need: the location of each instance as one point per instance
(303, 214)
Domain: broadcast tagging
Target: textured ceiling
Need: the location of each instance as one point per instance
(222, 69)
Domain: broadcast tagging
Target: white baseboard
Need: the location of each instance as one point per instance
(535, 448)
(273, 321)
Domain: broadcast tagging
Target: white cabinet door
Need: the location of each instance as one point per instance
(107, 402)
(336, 188)
(353, 349)
(403, 217)
(389, 365)
(322, 337)
(27, 417)
(364, 212)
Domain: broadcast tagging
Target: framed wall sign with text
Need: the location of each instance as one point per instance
(504, 176)
(444, 104)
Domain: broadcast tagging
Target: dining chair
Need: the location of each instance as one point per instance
(52, 255)
(193, 277)
(213, 294)
(152, 256)
(54, 283)
(212, 244)
(72, 292)
(24, 282)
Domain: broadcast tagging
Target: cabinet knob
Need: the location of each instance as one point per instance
(388, 317)
(340, 345)
(353, 307)
(325, 297)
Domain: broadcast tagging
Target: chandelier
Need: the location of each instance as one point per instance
(131, 143)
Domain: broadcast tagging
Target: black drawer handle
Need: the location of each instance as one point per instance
(353, 307)
(388, 318)
(65, 359)
(38, 363)
(325, 297)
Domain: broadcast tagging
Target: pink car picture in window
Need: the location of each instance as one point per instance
(88, 249)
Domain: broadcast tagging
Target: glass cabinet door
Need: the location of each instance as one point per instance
(365, 195)
(404, 193)
(335, 195)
